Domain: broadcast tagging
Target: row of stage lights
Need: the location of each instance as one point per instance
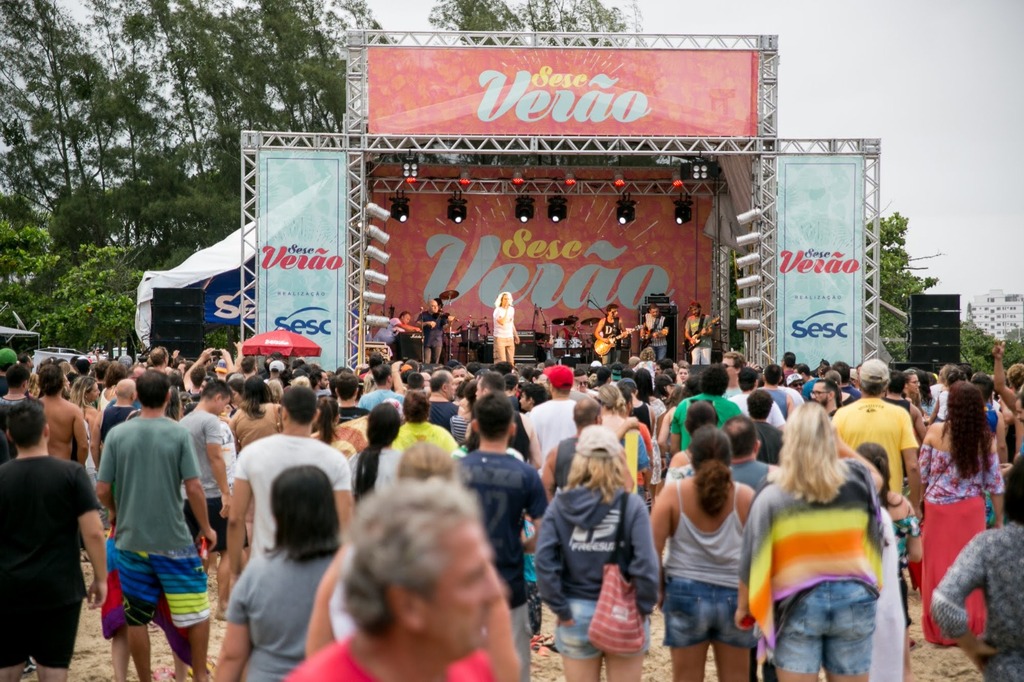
(558, 209)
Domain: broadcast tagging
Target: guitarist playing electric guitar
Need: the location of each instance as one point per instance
(654, 331)
(607, 334)
(696, 333)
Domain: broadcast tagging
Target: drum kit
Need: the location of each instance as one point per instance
(572, 339)
(464, 342)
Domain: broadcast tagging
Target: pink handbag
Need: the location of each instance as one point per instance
(617, 626)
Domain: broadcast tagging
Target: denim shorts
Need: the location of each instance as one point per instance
(574, 642)
(830, 627)
(697, 612)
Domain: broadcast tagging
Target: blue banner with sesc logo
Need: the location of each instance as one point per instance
(820, 256)
(301, 247)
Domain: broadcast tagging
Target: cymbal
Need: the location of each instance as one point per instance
(590, 320)
(565, 321)
(448, 295)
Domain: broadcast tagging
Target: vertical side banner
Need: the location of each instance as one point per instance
(301, 247)
(820, 251)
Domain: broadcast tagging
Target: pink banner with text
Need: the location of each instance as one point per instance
(557, 91)
(575, 267)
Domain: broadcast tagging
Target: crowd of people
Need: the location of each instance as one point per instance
(412, 522)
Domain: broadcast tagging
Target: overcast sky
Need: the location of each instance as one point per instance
(940, 83)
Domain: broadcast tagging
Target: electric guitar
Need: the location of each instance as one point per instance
(708, 327)
(647, 335)
(602, 345)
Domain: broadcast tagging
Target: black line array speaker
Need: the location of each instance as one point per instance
(178, 317)
(933, 334)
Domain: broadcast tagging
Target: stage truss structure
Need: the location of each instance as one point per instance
(365, 151)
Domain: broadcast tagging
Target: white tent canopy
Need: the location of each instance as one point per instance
(224, 256)
(8, 333)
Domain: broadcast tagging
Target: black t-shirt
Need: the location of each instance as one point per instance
(41, 499)
(112, 416)
(771, 443)
(347, 414)
(3, 386)
(441, 414)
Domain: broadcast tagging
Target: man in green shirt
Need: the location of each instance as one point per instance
(144, 463)
(713, 383)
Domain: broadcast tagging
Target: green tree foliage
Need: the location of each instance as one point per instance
(565, 16)
(897, 281)
(976, 348)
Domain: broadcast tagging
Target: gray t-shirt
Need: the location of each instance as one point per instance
(205, 429)
(274, 598)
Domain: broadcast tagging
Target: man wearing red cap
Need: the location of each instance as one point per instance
(552, 420)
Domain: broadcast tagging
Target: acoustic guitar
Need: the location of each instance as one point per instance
(709, 326)
(602, 346)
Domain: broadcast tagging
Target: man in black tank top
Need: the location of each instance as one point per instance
(558, 461)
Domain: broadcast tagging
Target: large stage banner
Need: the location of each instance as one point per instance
(553, 270)
(820, 252)
(560, 91)
(301, 247)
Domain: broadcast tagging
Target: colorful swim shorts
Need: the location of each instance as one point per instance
(178, 575)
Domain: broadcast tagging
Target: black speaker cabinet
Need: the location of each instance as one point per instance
(410, 346)
(937, 355)
(935, 337)
(173, 297)
(925, 319)
(934, 302)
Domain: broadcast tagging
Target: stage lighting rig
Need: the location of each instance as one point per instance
(684, 212)
(557, 210)
(400, 208)
(524, 209)
(625, 210)
(456, 208)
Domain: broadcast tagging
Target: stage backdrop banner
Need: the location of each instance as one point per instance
(820, 253)
(576, 267)
(301, 247)
(559, 91)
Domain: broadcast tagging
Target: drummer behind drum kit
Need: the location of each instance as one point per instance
(571, 341)
(466, 343)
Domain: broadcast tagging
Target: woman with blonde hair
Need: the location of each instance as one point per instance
(84, 393)
(811, 558)
(615, 416)
(575, 544)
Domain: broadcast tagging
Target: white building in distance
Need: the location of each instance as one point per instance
(997, 313)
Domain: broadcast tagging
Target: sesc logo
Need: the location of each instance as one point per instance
(819, 329)
(305, 321)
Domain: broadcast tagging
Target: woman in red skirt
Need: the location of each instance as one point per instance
(959, 465)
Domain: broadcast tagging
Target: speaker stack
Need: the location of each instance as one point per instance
(933, 338)
(178, 316)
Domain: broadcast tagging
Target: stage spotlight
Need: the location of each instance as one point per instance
(677, 181)
(625, 210)
(410, 168)
(377, 321)
(748, 281)
(374, 297)
(749, 238)
(748, 302)
(557, 210)
(464, 179)
(570, 180)
(375, 211)
(380, 235)
(699, 169)
(749, 259)
(400, 208)
(456, 208)
(750, 216)
(517, 178)
(683, 211)
(377, 255)
(524, 209)
(375, 277)
(619, 181)
(745, 325)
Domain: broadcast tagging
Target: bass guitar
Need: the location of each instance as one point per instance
(602, 345)
(709, 326)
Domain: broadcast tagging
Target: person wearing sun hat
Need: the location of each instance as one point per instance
(505, 335)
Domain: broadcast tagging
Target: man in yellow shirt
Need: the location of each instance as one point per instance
(872, 420)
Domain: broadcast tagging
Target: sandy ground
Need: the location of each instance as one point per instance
(92, 655)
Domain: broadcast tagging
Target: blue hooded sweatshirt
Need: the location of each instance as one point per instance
(577, 538)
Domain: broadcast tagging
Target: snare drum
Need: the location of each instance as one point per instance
(559, 344)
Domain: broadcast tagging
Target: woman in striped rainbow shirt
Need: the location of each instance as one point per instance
(810, 569)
